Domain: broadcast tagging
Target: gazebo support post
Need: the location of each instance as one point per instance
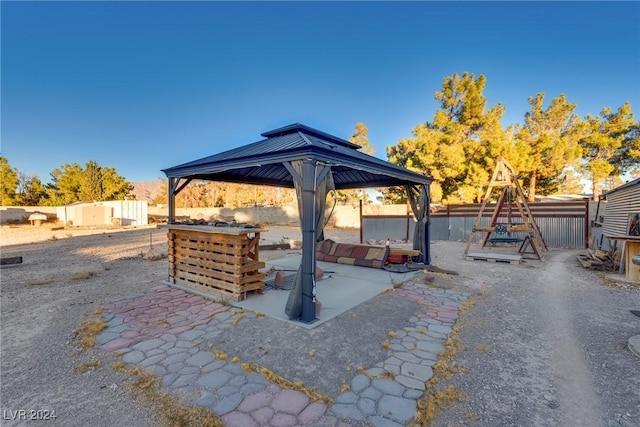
(427, 227)
(173, 182)
(427, 241)
(308, 240)
(174, 188)
(420, 200)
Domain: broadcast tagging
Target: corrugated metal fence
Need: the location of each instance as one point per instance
(562, 224)
(622, 203)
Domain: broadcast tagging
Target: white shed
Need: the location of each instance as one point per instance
(115, 212)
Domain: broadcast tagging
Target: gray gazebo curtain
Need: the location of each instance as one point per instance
(419, 199)
(323, 184)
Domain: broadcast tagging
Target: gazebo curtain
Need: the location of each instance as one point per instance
(321, 186)
(419, 199)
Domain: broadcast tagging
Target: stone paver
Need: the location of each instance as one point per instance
(634, 344)
(397, 408)
(167, 330)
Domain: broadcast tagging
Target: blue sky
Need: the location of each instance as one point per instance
(142, 86)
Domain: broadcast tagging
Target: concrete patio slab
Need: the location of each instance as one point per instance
(342, 288)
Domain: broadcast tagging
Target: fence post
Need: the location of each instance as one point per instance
(587, 225)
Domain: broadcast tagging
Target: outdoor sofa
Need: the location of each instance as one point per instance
(352, 254)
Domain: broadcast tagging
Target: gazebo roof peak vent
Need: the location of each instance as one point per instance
(299, 127)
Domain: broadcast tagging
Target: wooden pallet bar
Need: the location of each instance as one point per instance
(219, 261)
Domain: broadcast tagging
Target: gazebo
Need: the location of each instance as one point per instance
(314, 163)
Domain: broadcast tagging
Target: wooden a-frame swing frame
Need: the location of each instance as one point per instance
(504, 177)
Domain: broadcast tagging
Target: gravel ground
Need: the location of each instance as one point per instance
(544, 345)
(45, 300)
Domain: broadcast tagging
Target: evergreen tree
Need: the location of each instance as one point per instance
(114, 186)
(64, 187)
(460, 146)
(395, 195)
(628, 157)
(72, 183)
(8, 183)
(353, 196)
(31, 191)
(91, 183)
(360, 138)
(552, 137)
(570, 182)
(609, 145)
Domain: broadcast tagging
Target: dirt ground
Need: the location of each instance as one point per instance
(545, 343)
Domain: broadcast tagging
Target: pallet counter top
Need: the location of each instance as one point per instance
(218, 230)
(223, 262)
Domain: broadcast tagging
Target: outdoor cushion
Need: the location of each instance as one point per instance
(352, 254)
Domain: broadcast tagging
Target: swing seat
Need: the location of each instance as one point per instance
(500, 230)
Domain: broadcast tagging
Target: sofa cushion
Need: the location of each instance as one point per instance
(352, 254)
(325, 246)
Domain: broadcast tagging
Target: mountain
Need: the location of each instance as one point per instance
(147, 190)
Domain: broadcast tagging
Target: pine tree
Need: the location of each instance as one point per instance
(114, 186)
(72, 183)
(552, 136)
(91, 184)
(31, 191)
(64, 187)
(8, 183)
(609, 144)
(459, 147)
(351, 196)
(360, 138)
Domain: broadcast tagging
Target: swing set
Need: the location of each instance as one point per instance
(497, 232)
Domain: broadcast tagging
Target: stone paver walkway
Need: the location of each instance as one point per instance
(170, 332)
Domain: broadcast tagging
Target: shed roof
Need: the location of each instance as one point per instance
(261, 162)
(622, 187)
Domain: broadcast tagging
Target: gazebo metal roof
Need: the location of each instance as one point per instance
(262, 162)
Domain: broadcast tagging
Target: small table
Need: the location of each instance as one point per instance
(632, 247)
